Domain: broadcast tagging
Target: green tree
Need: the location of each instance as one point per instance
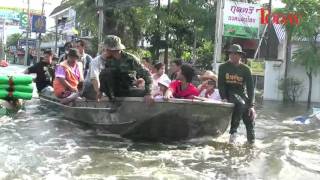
(13, 39)
(125, 18)
(290, 30)
(181, 28)
(205, 52)
(309, 30)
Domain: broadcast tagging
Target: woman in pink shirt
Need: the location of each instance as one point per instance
(182, 87)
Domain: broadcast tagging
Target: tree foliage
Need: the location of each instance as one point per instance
(294, 87)
(13, 39)
(187, 23)
(308, 31)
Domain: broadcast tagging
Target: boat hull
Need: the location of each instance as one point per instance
(162, 121)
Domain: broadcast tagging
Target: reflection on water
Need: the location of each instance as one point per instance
(40, 144)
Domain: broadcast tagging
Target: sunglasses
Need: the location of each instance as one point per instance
(211, 82)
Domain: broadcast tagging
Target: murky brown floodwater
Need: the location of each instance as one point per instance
(40, 144)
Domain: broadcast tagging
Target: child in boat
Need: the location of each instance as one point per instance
(163, 84)
(210, 92)
(204, 79)
(208, 89)
(156, 77)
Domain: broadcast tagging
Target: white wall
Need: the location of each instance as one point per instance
(274, 72)
(272, 79)
(298, 72)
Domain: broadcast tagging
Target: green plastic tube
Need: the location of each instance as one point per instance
(21, 88)
(22, 79)
(3, 94)
(4, 79)
(19, 95)
(17, 80)
(22, 95)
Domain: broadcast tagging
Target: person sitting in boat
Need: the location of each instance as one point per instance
(85, 58)
(68, 45)
(159, 73)
(208, 88)
(91, 88)
(68, 77)
(174, 68)
(163, 84)
(211, 92)
(45, 73)
(207, 75)
(147, 62)
(182, 87)
(122, 70)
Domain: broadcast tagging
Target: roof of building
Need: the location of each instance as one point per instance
(281, 34)
(60, 8)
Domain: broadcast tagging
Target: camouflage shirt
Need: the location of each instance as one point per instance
(127, 69)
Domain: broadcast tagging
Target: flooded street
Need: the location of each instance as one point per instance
(40, 144)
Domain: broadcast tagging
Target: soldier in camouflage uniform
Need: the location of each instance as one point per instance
(122, 72)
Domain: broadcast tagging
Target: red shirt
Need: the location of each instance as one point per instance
(188, 93)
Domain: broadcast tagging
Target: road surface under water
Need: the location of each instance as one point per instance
(40, 144)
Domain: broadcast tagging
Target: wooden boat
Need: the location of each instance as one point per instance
(132, 118)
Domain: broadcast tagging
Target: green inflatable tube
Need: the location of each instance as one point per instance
(21, 88)
(15, 94)
(3, 94)
(16, 80)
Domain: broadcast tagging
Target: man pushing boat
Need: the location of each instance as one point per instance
(236, 86)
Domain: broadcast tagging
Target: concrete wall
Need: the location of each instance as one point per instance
(272, 77)
(298, 72)
(274, 72)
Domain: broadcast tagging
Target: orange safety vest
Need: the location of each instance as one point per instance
(72, 79)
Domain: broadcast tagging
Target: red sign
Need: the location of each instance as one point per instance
(279, 18)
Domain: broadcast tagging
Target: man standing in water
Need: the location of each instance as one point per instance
(234, 78)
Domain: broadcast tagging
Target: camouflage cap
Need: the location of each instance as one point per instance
(113, 42)
(235, 48)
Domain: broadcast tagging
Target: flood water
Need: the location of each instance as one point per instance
(40, 144)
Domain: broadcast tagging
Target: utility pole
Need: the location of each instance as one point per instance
(39, 40)
(218, 35)
(26, 54)
(101, 20)
(166, 52)
(2, 39)
(56, 41)
(269, 28)
(158, 36)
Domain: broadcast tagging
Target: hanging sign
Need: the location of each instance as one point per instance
(241, 20)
